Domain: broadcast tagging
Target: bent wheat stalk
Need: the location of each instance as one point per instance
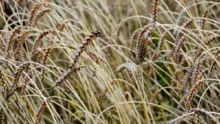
(81, 49)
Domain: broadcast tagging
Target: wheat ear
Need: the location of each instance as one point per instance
(83, 46)
(197, 114)
(38, 41)
(26, 79)
(208, 40)
(47, 52)
(41, 110)
(134, 37)
(3, 118)
(155, 12)
(33, 12)
(66, 74)
(10, 40)
(217, 56)
(40, 14)
(142, 42)
(3, 84)
(18, 74)
(132, 68)
(72, 69)
(184, 26)
(178, 46)
(18, 49)
(204, 20)
(191, 93)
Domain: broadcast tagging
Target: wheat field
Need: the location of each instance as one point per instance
(109, 62)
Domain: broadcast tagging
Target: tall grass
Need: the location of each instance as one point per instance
(109, 61)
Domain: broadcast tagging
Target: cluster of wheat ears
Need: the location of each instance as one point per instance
(108, 61)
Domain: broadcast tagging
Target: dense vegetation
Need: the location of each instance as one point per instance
(109, 61)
